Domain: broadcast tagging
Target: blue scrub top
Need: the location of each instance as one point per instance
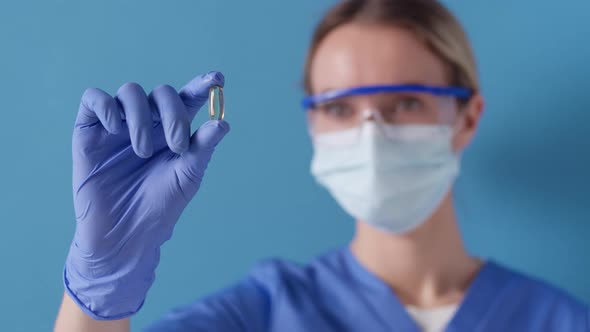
(336, 293)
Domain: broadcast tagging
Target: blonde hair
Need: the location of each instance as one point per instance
(429, 20)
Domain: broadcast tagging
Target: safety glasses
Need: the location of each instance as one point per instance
(409, 104)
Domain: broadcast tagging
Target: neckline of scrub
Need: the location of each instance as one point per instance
(481, 295)
(372, 281)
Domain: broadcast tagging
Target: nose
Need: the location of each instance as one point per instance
(371, 115)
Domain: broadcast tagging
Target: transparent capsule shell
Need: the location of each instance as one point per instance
(216, 109)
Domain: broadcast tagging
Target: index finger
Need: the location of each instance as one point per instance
(98, 106)
(195, 93)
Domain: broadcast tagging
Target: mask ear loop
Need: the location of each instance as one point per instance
(449, 114)
(450, 119)
(454, 120)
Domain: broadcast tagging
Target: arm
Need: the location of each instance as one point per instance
(244, 306)
(71, 319)
(136, 166)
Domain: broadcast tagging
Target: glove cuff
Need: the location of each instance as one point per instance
(93, 308)
(110, 294)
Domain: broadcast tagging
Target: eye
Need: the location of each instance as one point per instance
(410, 104)
(336, 110)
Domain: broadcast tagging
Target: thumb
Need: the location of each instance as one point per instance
(196, 92)
(194, 161)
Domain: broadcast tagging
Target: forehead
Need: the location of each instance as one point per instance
(354, 55)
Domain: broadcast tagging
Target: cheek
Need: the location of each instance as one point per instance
(461, 137)
(467, 125)
(457, 142)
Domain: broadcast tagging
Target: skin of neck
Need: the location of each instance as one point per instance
(426, 267)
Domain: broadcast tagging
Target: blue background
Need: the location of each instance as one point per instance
(523, 196)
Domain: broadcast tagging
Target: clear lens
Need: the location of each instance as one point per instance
(391, 108)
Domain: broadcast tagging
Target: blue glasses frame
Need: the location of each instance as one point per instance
(311, 101)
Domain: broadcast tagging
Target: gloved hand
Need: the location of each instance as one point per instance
(136, 167)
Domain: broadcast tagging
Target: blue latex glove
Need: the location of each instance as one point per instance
(136, 167)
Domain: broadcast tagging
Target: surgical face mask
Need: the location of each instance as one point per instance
(393, 177)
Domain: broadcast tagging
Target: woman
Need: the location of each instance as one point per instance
(394, 99)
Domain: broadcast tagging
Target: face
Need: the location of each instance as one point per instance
(356, 55)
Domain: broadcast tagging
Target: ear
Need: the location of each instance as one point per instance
(468, 122)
